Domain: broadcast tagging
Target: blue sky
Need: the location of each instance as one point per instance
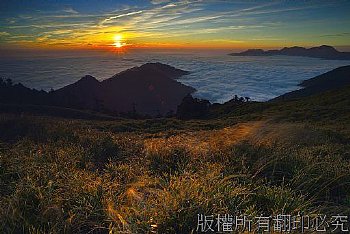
(182, 23)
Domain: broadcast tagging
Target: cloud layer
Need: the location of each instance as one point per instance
(217, 77)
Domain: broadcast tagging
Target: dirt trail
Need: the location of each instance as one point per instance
(256, 132)
(202, 142)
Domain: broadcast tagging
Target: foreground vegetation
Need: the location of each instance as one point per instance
(154, 176)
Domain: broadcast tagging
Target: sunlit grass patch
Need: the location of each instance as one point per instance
(69, 178)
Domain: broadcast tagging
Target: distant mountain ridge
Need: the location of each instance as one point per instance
(323, 52)
(150, 89)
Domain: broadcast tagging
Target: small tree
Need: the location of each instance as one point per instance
(192, 108)
(9, 82)
(2, 82)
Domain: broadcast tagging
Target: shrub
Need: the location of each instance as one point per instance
(99, 150)
(168, 160)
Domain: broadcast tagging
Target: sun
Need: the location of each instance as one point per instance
(119, 41)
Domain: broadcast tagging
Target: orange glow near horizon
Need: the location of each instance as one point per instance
(165, 24)
(123, 42)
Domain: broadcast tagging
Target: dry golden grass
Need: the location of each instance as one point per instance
(79, 180)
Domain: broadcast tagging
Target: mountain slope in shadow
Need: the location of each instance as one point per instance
(19, 94)
(335, 79)
(148, 89)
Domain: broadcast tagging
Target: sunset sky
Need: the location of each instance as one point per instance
(163, 23)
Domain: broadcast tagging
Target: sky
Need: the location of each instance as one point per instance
(104, 24)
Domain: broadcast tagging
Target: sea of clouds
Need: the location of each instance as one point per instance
(216, 76)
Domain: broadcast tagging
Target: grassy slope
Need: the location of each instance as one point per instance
(69, 175)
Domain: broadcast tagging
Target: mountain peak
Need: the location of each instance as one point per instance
(327, 46)
(88, 79)
(170, 71)
(157, 67)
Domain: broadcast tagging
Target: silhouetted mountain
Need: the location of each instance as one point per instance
(323, 52)
(337, 78)
(81, 94)
(19, 94)
(168, 70)
(149, 89)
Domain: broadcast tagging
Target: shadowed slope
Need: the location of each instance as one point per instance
(337, 78)
(149, 89)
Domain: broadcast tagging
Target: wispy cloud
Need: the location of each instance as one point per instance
(121, 15)
(4, 34)
(344, 34)
(159, 1)
(182, 21)
(70, 10)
